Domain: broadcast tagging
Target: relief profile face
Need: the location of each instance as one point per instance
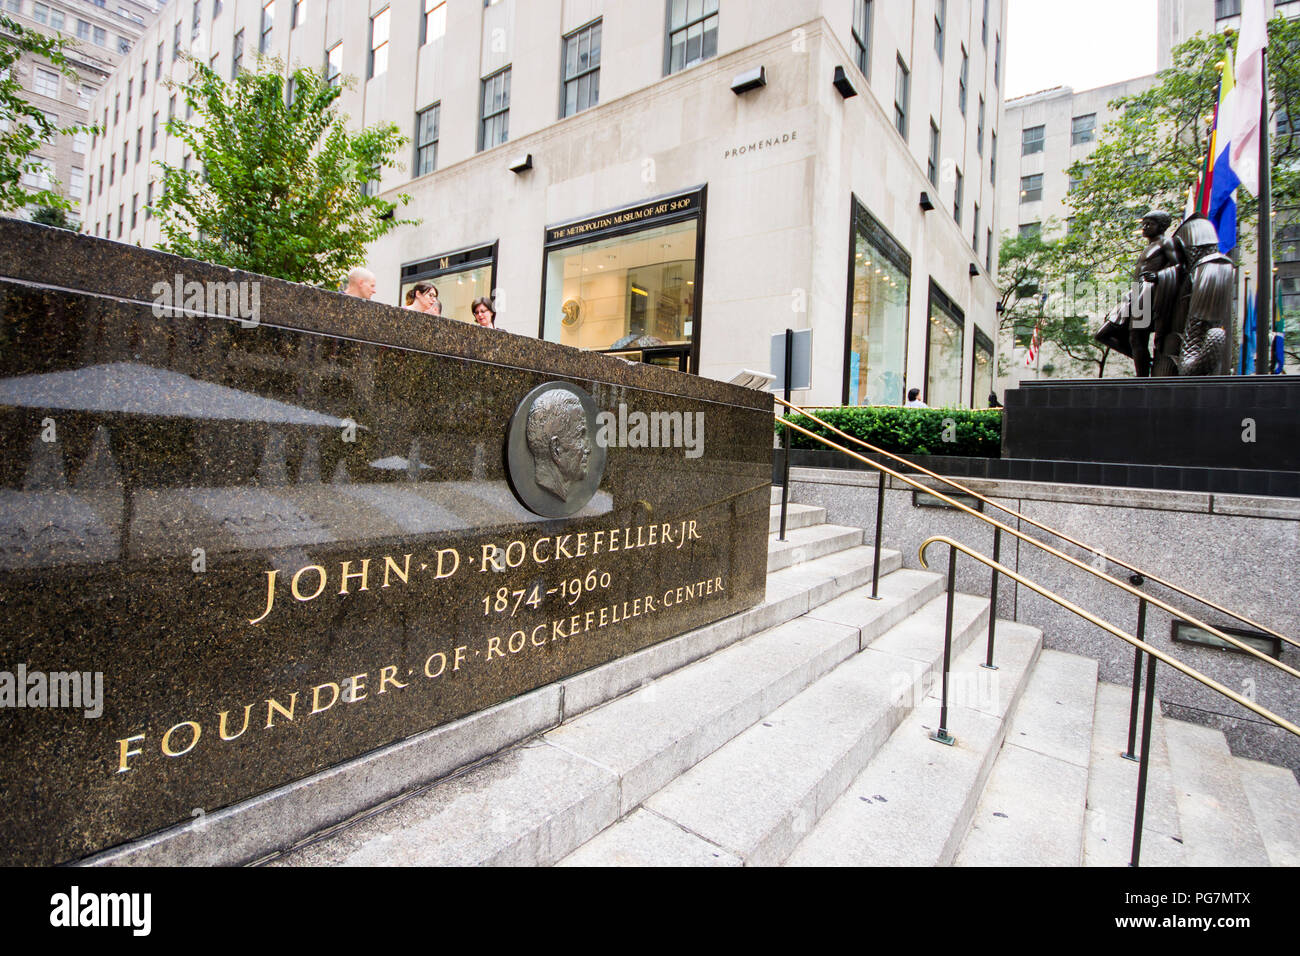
(554, 467)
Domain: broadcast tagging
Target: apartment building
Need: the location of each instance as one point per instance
(103, 31)
(671, 181)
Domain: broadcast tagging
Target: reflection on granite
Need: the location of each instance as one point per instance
(285, 546)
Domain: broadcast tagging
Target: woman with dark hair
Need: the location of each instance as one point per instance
(484, 314)
(423, 297)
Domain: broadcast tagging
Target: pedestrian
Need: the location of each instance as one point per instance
(914, 399)
(361, 283)
(423, 297)
(484, 314)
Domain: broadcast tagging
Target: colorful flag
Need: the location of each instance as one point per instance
(1244, 133)
(1222, 207)
(1247, 364)
(1035, 343)
(1277, 339)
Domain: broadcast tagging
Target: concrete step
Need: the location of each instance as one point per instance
(913, 802)
(1275, 801)
(1218, 825)
(1032, 810)
(805, 544)
(797, 516)
(1112, 790)
(755, 797)
(776, 494)
(510, 810)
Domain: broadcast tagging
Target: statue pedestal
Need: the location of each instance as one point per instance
(1242, 423)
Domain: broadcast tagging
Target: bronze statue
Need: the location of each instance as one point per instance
(1182, 295)
(557, 439)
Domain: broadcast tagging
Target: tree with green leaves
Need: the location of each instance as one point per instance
(23, 125)
(279, 185)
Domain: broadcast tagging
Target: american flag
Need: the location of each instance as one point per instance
(1036, 340)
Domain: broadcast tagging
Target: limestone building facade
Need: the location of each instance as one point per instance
(672, 181)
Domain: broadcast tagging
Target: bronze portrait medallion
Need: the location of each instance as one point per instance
(555, 463)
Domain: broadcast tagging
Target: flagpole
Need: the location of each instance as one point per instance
(1264, 289)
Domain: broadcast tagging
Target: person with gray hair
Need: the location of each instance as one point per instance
(557, 439)
(361, 283)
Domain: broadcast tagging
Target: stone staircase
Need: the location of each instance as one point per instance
(797, 733)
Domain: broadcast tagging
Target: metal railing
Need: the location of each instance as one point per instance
(943, 735)
(1133, 569)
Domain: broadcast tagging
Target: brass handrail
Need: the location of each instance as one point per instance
(1112, 629)
(1122, 585)
(1042, 527)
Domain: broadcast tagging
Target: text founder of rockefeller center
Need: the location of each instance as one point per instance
(557, 440)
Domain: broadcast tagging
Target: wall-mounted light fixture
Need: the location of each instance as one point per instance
(521, 163)
(842, 83)
(974, 270)
(749, 80)
(926, 202)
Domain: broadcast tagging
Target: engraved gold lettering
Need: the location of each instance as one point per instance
(595, 541)
(442, 665)
(494, 648)
(358, 682)
(649, 604)
(490, 558)
(511, 643)
(666, 533)
(557, 630)
(533, 637)
(510, 550)
(363, 574)
(560, 550)
(124, 751)
(273, 705)
(388, 675)
(316, 708)
(582, 544)
(166, 741)
(454, 564)
(537, 544)
(293, 585)
(654, 535)
(604, 616)
(270, 596)
(459, 658)
(391, 565)
(613, 540)
(224, 716)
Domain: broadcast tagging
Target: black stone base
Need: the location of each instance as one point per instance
(1222, 423)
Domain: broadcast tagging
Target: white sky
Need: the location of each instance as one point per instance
(1078, 43)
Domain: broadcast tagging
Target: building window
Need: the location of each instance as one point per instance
(171, 108)
(433, 25)
(334, 64)
(862, 35)
(216, 8)
(993, 158)
(958, 188)
(126, 149)
(298, 14)
(963, 78)
(370, 187)
(631, 293)
(135, 209)
(902, 95)
(979, 130)
(982, 373)
(117, 108)
(1077, 180)
(692, 33)
(975, 232)
(1031, 140)
(460, 278)
(130, 93)
(1028, 229)
(81, 143)
(984, 26)
(426, 139)
(101, 179)
(108, 226)
(112, 168)
(932, 162)
(268, 24)
(77, 184)
(940, 15)
(1226, 8)
(876, 344)
(148, 203)
(581, 70)
(121, 218)
(144, 78)
(494, 128)
(943, 351)
(45, 83)
(237, 55)
(176, 45)
(1083, 129)
(1031, 188)
(988, 251)
(997, 59)
(379, 43)
(139, 143)
(41, 177)
(153, 133)
(196, 18)
(158, 63)
(100, 36)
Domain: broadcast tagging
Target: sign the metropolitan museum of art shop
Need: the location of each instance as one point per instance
(238, 549)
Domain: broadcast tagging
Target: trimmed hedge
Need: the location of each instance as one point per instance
(908, 431)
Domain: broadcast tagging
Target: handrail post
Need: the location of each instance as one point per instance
(787, 437)
(880, 513)
(1140, 811)
(1137, 679)
(941, 735)
(993, 599)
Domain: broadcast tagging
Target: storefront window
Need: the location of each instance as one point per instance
(944, 351)
(982, 378)
(877, 342)
(459, 277)
(630, 292)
